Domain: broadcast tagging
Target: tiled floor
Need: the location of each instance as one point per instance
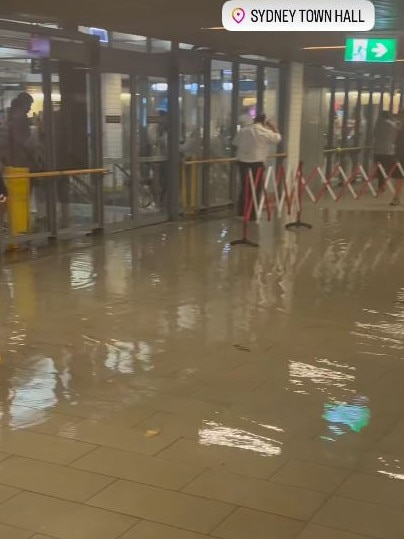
(165, 385)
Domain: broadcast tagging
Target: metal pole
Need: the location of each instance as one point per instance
(174, 163)
(50, 150)
(260, 88)
(96, 130)
(234, 123)
(134, 146)
(331, 124)
(206, 131)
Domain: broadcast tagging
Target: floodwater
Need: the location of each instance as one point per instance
(167, 385)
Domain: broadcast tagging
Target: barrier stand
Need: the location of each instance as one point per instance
(250, 200)
(299, 195)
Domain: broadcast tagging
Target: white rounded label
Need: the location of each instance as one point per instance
(298, 16)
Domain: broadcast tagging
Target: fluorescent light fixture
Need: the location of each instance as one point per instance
(325, 48)
(213, 28)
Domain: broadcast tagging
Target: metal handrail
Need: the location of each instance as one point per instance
(57, 173)
(343, 150)
(223, 160)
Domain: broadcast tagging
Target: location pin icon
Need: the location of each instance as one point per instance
(238, 14)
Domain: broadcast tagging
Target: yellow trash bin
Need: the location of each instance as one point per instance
(18, 200)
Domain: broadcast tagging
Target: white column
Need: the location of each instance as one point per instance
(294, 110)
(111, 89)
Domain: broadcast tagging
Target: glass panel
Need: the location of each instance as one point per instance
(22, 135)
(271, 93)
(116, 125)
(191, 138)
(247, 101)
(220, 131)
(72, 143)
(152, 145)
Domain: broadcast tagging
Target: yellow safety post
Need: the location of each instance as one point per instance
(17, 180)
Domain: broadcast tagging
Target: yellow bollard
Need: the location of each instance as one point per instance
(18, 200)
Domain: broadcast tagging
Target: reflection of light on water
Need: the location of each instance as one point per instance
(392, 475)
(29, 398)
(393, 467)
(187, 316)
(217, 434)
(120, 356)
(82, 274)
(319, 376)
(343, 416)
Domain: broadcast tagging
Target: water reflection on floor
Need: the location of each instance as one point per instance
(224, 391)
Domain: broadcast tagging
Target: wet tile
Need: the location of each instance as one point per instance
(151, 530)
(118, 437)
(3, 456)
(186, 406)
(55, 424)
(361, 518)
(51, 479)
(7, 492)
(9, 532)
(62, 519)
(252, 493)
(374, 489)
(313, 531)
(36, 536)
(246, 523)
(310, 476)
(42, 447)
(163, 506)
(136, 467)
(174, 424)
(229, 458)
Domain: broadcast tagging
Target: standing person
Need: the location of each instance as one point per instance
(252, 144)
(384, 144)
(19, 130)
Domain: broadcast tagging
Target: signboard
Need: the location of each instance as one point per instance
(39, 47)
(101, 33)
(370, 50)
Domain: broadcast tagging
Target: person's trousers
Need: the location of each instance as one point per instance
(387, 162)
(245, 169)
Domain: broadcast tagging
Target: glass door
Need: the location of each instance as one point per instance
(152, 133)
(116, 142)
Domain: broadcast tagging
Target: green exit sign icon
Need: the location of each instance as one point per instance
(370, 50)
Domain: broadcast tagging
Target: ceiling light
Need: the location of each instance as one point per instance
(330, 47)
(213, 28)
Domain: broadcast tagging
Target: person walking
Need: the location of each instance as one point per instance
(252, 144)
(385, 133)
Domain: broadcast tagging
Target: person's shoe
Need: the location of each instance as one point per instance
(395, 202)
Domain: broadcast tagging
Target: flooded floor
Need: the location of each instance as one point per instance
(165, 385)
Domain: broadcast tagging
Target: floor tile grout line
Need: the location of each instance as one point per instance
(87, 454)
(234, 510)
(169, 445)
(199, 474)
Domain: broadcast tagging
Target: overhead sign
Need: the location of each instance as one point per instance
(370, 50)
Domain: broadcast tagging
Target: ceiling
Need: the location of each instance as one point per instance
(183, 20)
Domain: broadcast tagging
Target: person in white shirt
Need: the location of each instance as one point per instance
(252, 144)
